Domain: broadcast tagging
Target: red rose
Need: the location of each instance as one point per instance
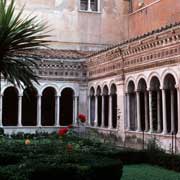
(62, 131)
(82, 117)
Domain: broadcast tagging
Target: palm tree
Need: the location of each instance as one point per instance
(17, 35)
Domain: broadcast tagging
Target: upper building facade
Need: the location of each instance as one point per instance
(80, 24)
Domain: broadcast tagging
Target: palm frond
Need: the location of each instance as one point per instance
(19, 34)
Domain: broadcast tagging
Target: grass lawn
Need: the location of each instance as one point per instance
(148, 172)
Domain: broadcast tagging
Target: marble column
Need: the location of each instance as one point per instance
(150, 112)
(102, 116)
(178, 110)
(96, 111)
(158, 111)
(164, 111)
(19, 111)
(128, 111)
(89, 5)
(57, 111)
(75, 107)
(146, 110)
(172, 112)
(39, 110)
(110, 112)
(1, 109)
(138, 111)
(89, 110)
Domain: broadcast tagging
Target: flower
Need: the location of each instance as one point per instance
(70, 126)
(82, 118)
(62, 131)
(69, 147)
(27, 142)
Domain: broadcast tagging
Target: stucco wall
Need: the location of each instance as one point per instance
(75, 29)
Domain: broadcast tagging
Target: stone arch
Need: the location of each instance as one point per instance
(143, 104)
(66, 106)
(8, 86)
(106, 105)
(29, 107)
(170, 98)
(99, 104)
(92, 105)
(155, 105)
(113, 93)
(166, 72)
(54, 86)
(131, 105)
(48, 106)
(127, 82)
(151, 75)
(10, 106)
(75, 91)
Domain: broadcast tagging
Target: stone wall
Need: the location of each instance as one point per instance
(75, 29)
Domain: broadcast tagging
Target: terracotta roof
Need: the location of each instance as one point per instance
(55, 54)
(168, 26)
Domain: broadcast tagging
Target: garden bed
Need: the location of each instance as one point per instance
(55, 157)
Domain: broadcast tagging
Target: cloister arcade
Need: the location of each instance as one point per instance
(33, 108)
(103, 106)
(152, 105)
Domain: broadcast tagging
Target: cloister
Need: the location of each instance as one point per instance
(42, 106)
(103, 106)
(152, 103)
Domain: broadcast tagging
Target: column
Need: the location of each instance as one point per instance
(164, 111)
(150, 112)
(138, 111)
(57, 111)
(75, 110)
(102, 116)
(96, 111)
(172, 112)
(19, 111)
(39, 110)
(128, 111)
(89, 5)
(178, 110)
(1, 99)
(99, 6)
(89, 110)
(110, 112)
(158, 111)
(146, 110)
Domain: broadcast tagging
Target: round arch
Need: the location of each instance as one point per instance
(66, 106)
(29, 107)
(10, 106)
(153, 74)
(170, 72)
(128, 81)
(75, 91)
(48, 106)
(49, 86)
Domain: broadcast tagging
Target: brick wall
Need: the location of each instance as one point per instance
(152, 15)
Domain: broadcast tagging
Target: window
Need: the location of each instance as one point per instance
(84, 5)
(94, 5)
(89, 5)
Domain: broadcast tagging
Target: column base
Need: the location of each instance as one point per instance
(164, 133)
